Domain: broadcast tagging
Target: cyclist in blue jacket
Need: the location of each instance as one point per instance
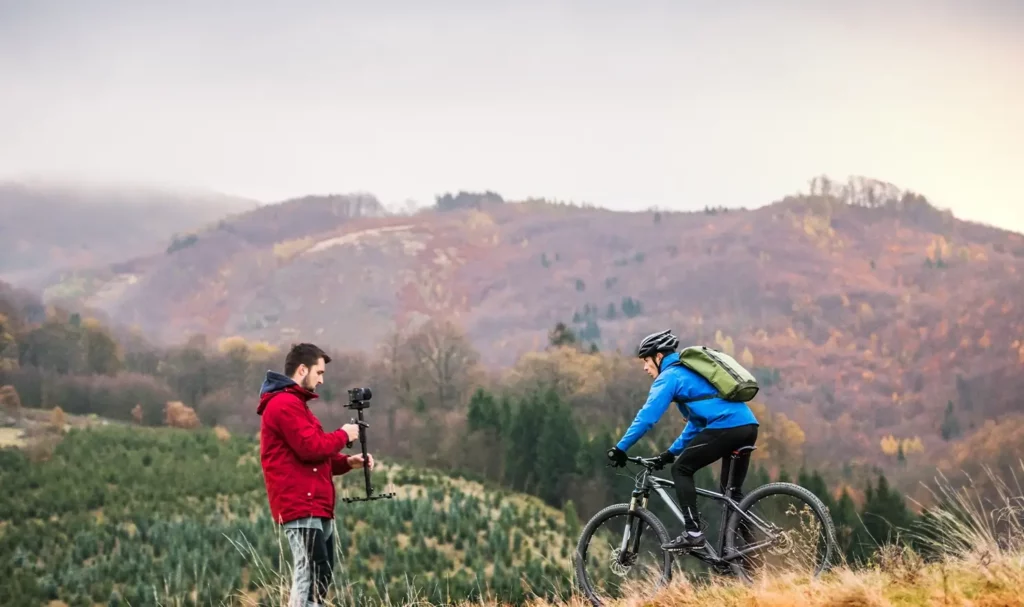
(714, 428)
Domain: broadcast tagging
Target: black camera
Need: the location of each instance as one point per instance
(359, 398)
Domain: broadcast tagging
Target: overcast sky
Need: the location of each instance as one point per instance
(677, 104)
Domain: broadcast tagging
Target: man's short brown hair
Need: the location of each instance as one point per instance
(303, 354)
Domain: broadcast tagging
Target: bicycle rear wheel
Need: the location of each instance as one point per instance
(789, 530)
(603, 568)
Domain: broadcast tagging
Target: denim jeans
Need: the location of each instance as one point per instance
(312, 544)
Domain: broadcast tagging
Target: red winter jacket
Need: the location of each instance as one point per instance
(299, 459)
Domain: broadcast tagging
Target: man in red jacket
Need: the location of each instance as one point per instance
(299, 462)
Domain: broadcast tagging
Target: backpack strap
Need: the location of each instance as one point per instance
(699, 398)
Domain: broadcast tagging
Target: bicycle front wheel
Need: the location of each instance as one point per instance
(785, 529)
(619, 554)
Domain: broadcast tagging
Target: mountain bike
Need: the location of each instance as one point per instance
(739, 552)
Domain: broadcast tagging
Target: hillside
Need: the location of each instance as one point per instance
(141, 515)
(883, 326)
(47, 227)
(110, 514)
(200, 275)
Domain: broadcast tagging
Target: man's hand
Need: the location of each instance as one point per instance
(618, 457)
(666, 458)
(356, 461)
(352, 430)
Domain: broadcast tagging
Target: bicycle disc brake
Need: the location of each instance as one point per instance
(618, 567)
(781, 544)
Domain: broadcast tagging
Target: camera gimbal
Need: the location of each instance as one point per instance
(359, 399)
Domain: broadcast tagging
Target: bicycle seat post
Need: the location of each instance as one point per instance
(737, 454)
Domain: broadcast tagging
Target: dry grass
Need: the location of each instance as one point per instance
(941, 584)
(12, 437)
(944, 583)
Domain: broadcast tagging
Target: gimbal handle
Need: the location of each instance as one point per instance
(366, 464)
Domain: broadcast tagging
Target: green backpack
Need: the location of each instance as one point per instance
(733, 382)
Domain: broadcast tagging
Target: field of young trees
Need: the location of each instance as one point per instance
(159, 515)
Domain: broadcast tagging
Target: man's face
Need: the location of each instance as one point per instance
(651, 364)
(312, 377)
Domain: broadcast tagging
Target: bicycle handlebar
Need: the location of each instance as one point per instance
(651, 463)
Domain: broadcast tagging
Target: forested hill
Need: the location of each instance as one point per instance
(889, 331)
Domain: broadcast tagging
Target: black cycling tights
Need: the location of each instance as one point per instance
(708, 446)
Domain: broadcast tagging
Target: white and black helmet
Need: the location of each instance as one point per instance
(662, 341)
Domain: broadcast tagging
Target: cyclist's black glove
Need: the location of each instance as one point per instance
(666, 458)
(618, 457)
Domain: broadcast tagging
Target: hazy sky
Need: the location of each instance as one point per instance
(677, 104)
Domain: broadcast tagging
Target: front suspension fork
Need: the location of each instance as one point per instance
(638, 499)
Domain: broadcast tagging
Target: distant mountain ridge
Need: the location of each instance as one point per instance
(49, 226)
(864, 309)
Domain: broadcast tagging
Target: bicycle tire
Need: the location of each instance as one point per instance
(580, 556)
(793, 490)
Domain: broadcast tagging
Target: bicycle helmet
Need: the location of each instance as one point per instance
(663, 341)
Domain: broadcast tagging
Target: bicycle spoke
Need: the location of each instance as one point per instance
(789, 537)
(623, 555)
(613, 569)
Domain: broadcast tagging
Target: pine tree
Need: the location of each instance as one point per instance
(950, 428)
(844, 515)
(525, 428)
(885, 516)
(483, 413)
(557, 447)
(562, 335)
(813, 482)
(572, 519)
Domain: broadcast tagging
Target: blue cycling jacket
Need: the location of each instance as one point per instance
(678, 384)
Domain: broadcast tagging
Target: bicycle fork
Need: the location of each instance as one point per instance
(628, 532)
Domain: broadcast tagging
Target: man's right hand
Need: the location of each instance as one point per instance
(352, 430)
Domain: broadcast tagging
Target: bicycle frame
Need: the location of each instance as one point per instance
(647, 482)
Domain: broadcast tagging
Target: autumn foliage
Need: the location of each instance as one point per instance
(9, 400)
(221, 433)
(58, 419)
(178, 415)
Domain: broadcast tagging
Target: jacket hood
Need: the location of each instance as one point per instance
(668, 360)
(276, 382)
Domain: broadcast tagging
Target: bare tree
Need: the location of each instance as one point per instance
(400, 380)
(447, 359)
